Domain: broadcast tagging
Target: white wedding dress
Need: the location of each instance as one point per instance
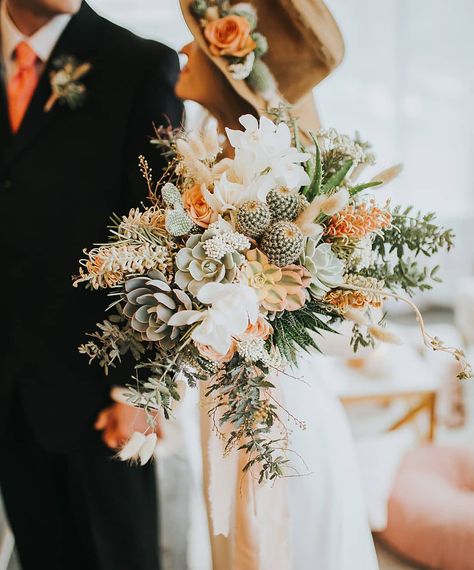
(316, 521)
(328, 519)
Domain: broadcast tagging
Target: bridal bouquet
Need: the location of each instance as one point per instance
(236, 265)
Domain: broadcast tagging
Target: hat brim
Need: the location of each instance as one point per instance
(239, 86)
(311, 20)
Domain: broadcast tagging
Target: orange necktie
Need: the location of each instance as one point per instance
(22, 85)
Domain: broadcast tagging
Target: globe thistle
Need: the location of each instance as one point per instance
(284, 204)
(199, 8)
(247, 11)
(253, 218)
(283, 243)
(150, 303)
(261, 80)
(261, 44)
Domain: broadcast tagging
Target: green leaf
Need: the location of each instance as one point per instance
(314, 188)
(337, 178)
(356, 189)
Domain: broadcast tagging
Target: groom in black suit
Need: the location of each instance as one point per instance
(63, 171)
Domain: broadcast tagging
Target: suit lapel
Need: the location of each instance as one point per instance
(79, 39)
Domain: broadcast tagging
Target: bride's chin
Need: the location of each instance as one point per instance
(180, 90)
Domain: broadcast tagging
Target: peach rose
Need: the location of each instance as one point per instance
(261, 329)
(208, 352)
(196, 206)
(229, 36)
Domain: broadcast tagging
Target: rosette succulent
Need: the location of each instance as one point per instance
(196, 267)
(278, 289)
(326, 269)
(150, 303)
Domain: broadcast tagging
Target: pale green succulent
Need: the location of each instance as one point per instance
(178, 223)
(177, 220)
(171, 195)
(327, 270)
(150, 304)
(196, 268)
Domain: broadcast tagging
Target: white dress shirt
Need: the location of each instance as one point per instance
(42, 42)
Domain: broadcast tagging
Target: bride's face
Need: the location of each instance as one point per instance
(199, 79)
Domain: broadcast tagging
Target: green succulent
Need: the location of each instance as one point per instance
(149, 304)
(196, 268)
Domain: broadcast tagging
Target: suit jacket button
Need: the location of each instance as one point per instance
(7, 184)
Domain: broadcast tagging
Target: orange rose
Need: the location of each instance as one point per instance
(261, 329)
(229, 36)
(196, 206)
(208, 352)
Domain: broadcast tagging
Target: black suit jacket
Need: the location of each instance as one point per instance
(61, 177)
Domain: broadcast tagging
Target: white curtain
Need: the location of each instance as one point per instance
(407, 85)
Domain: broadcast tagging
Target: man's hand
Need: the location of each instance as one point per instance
(118, 421)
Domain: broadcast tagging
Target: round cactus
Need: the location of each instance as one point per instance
(282, 243)
(253, 218)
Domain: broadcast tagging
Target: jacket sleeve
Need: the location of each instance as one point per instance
(155, 104)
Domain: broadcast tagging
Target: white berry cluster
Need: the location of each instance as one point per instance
(226, 242)
(253, 348)
(364, 282)
(330, 139)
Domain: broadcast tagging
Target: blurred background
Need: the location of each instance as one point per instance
(407, 85)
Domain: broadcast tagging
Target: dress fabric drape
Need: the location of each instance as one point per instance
(315, 520)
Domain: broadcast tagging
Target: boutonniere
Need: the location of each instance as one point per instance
(66, 86)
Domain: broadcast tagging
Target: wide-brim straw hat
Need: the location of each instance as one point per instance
(305, 45)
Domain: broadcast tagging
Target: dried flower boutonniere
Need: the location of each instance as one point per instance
(65, 85)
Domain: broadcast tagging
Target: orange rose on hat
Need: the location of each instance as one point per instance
(197, 207)
(229, 36)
